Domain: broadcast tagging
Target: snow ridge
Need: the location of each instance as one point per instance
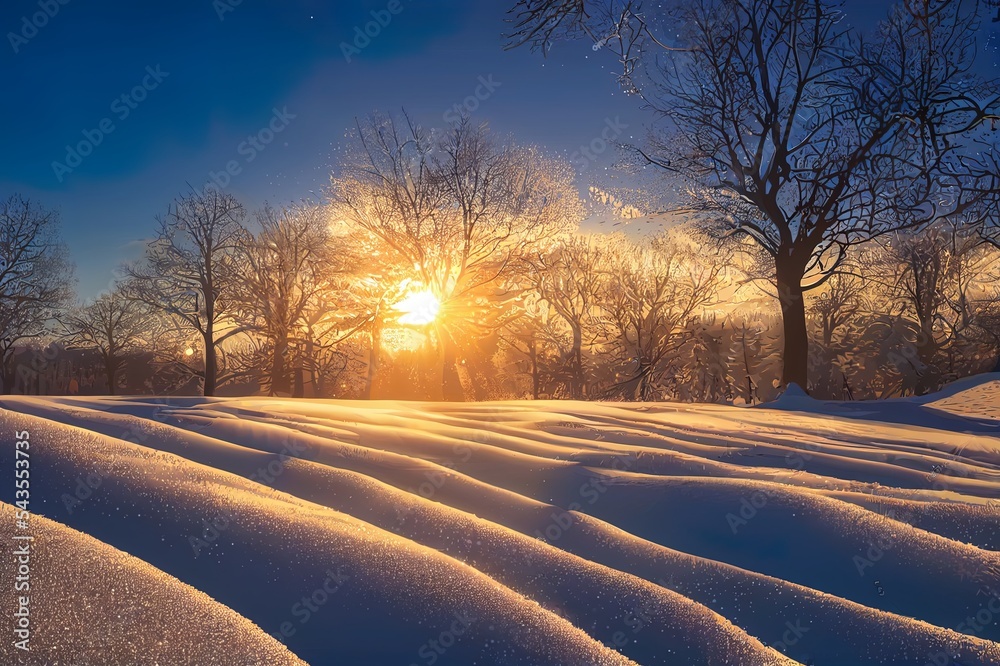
(528, 532)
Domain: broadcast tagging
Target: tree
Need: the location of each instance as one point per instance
(113, 325)
(35, 276)
(456, 209)
(569, 278)
(936, 281)
(835, 312)
(807, 138)
(188, 274)
(523, 335)
(657, 290)
(282, 271)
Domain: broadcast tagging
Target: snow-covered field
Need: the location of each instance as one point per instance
(269, 531)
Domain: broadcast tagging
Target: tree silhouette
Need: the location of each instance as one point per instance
(457, 208)
(792, 130)
(188, 274)
(113, 325)
(35, 277)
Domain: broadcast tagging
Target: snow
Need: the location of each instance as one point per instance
(543, 532)
(981, 400)
(93, 604)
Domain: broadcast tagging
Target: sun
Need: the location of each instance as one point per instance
(419, 308)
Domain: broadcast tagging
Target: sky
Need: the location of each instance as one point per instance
(114, 109)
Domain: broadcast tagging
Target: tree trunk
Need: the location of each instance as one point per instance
(451, 384)
(795, 360)
(314, 380)
(279, 380)
(643, 381)
(746, 367)
(211, 365)
(929, 378)
(576, 390)
(211, 369)
(9, 375)
(535, 379)
(111, 372)
(375, 351)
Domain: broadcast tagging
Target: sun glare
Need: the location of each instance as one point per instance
(419, 308)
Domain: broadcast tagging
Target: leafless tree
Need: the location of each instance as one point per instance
(188, 274)
(835, 313)
(522, 336)
(808, 138)
(113, 325)
(656, 292)
(35, 276)
(569, 278)
(935, 281)
(282, 271)
(842, 299)
(456, 208)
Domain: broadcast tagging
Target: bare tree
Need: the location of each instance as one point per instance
(935, 281)
(456, 208)
(806, 137)
(35, 277)
(570, 278)
(841, 301)
(282, 270)
(657, 290)
(188, 274)
(835, 312)
(113, 325)
(523, 336)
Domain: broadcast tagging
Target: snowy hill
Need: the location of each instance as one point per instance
(510, 533)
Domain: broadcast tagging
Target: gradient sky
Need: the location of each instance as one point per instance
(226, 75)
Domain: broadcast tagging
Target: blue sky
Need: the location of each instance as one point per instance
(225, 66)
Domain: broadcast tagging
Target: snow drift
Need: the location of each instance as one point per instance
(513, 532)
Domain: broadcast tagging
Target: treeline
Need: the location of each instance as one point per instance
(450, 265)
